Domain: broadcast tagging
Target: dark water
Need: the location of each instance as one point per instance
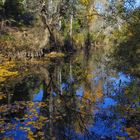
(75, 98)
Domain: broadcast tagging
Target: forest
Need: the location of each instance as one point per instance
(70, 69)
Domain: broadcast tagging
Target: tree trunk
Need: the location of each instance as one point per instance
(71, 27)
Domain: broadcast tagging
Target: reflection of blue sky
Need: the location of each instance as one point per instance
(17, 134)
(108, 102)
(38, 96)
(80, 91)
(107, 123)
(64, 85)
(124, 79)
(107, 126)
(116, 83)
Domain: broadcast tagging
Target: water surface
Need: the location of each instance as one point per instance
(74, 98)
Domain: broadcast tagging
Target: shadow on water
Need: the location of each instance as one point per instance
(71, 99)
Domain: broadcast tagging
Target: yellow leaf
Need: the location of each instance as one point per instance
(30, 138)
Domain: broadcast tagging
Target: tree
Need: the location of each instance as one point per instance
(128, 43)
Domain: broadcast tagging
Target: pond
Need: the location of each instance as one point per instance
(71, 98)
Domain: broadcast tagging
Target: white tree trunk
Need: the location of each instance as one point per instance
(71, 27)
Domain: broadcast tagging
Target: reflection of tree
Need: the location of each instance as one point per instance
(25, 90)
(66, 118)
(69, 114)
(129, 101)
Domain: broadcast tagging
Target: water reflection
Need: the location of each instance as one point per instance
(39, 96)
(73, 99)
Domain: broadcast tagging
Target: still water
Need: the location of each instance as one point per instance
(72, 98)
